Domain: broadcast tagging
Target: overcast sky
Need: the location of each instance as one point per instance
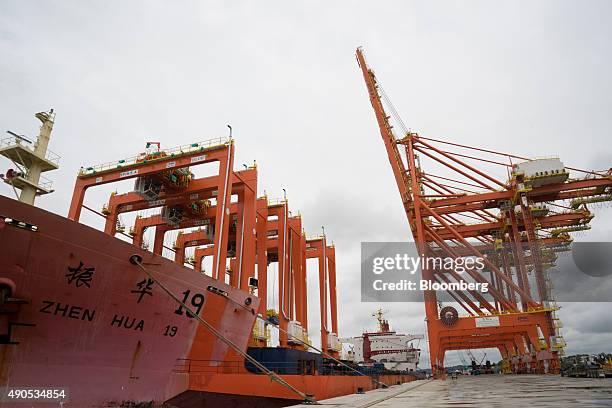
(531, 78)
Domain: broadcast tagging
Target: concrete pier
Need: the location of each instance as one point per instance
(485, 391)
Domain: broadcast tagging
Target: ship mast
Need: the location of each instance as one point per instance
(383, 324)
(30, 160)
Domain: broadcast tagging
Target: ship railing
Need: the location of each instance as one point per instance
(164, 154)
(311, 367)
(45, 183)
(209, 366)
(10, 141)
(314, 237)
(52, 157)
(276, 201)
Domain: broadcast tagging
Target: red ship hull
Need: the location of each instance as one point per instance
(250, 391)
(81, 316)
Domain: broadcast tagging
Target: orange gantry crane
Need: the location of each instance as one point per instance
(243, 237)
(457, 207)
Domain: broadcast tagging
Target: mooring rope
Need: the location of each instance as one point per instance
(303, 343)
(324, 353)
(137, 260)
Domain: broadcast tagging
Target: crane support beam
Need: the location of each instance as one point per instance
(461, 210)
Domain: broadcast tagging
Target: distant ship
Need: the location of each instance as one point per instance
(397, 352)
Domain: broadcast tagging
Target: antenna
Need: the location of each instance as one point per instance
(20, 137)
(31, 159)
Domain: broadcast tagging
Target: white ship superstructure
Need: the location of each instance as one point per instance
(398, 352)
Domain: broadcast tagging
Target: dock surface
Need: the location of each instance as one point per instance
(485, 391)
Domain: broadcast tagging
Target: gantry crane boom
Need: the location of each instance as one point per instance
(400, 172)
(405, 178)
(514, 234)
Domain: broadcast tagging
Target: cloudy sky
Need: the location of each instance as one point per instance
(525, 77)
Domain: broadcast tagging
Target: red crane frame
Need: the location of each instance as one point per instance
(448, 216)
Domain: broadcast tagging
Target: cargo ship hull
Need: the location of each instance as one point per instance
(76, 314)
(250, 391)
(80, 316)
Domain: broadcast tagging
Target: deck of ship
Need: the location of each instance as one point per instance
(486, 391)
